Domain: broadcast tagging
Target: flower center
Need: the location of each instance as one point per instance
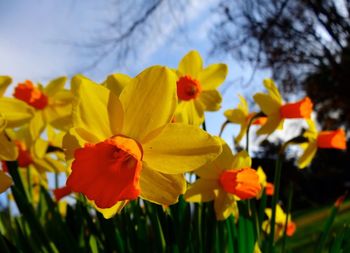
(332, 139)
(243, 183)
(24, 158)
(107, 172)
(300, 109)
(188, 88)
(31, 94)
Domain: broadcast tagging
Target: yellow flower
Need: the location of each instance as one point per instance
(241, 116)
(13, 113)
(265, 186)
(116, 82)
(272, 106)
(279, 222)
(125, 147)
(196, 88)
(52, 104)
(5, 181)
(227, 179)
(324, 139)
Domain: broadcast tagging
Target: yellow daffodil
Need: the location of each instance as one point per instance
(272, 106)
(227, 179)
(279, 223)
(126, 147)
(52, 104)
(117, 82)
(13, 113)
(324, 139)
(196, 88)
(265, 186)
(5, 181)
(241, 116)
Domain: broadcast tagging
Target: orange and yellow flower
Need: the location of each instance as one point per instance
(272, 106)
(197, 88)
(325, 139)
(52, 104)
(225, 180)
(125, 147)
(241, 116)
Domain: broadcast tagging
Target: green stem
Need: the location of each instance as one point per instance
(29, 182)
(223, 127)
(275, 197)
(56, 180)
(289, 207)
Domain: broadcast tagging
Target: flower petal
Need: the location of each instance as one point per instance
(161, 188)
(266, 103)
(308, 155)
(212, 170)
(54, 86)
(272, 90)
(211, 99)
(110, 212)
(273, 122)
(191, 64)
(202, 190)
(180, 148)
(191, 113)
(117, 82)
(37, 125)
(149, 101)
(8, 150)
(96, 108)
(5, 81)
(225, 205)
(5, 181)
(236, 116)
(241, 160)
(16, 112)
(213, 76)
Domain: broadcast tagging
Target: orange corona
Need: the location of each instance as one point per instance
(300, 109)
(332, 139)
(24, 157)
(243, 183)
(31, 94)
(107, 172)
(188, 88)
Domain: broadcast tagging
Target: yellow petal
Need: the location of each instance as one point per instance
(262, 176)
(40, 148)
(243, 105)
(56, 165)
(225, 205)
(273, 122)
(15, 111)
(42, 165)
(266, 103)
(96, 108)
(161, 188)
(191, 64)
(202, 190)
(212, 170)
(312, 131)
(76, 138)
(117, 82)
(241, 160)
(213, 76)
(211, 99)
(54, 86)
(3, 123)
(242, 132)
(8, 150)
(110, 212)
(180, 148)
(5, 81)
(149, 101)
(191, 113)
(308, 155)
(272, 90)
(5, 181)
(236, 116)
(37, 124)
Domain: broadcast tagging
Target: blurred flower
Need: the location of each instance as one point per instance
(279, 223)
(5, 181)
(272, 106)
(52, 104)
(324, 139)
(241, 116)
(126, 147)
(196, 88)
(265, 186)
(226, 179)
